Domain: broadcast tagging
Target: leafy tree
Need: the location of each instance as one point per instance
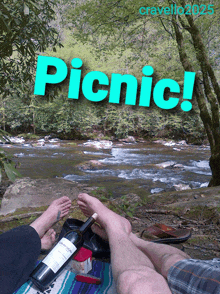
(194, 38)
(25, 29)
(66, 117)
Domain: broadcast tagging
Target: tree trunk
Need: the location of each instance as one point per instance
(34, 129)
(214, 163)
(207, 96)
(4, 115)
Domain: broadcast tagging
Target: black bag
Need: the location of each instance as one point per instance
(99, 247)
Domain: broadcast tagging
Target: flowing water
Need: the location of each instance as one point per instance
(124, 168)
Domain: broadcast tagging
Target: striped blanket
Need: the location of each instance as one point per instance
(67, 284)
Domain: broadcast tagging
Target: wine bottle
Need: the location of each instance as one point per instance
(51, 266)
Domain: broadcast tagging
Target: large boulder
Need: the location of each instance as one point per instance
(28, 192)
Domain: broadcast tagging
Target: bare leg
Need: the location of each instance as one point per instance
(132, 269)
(48, 239)
(57, 209)
(162, 256)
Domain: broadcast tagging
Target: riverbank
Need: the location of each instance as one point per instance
(198, 210)
(98, 135)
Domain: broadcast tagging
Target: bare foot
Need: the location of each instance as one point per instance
(57, 210)
(48, 239)
(100, 231)
(106, 218)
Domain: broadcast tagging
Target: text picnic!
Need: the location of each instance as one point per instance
(43, 78)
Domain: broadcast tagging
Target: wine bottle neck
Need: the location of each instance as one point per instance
(90, 221)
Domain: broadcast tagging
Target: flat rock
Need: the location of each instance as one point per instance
(166, 164)
(209, 197)
(181, 187)
(28, 192)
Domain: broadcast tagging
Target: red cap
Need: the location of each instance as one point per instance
(83, 254)
(88, 279)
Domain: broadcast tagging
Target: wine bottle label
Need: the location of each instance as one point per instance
(60, 254)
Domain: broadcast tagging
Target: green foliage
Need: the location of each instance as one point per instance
(76, 119)
(114, 40)
(65, 116)
(25, 28)
(128, 207)
(118, 27)
(10, 170)
(7, 166)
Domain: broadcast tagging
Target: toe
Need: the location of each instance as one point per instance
(65, 205)
(63, 200)
(99, 231)
(80, 203)
(50, 232)
(83, 196)
(64, 213)
(53, 236)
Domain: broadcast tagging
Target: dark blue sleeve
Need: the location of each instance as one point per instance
(19, 250)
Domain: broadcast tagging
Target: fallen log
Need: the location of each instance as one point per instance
(20, 216)
(26, 215)
(170, 212)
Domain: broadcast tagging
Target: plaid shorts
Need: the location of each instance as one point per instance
(192, 276)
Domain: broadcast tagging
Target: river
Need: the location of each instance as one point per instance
(124, 167)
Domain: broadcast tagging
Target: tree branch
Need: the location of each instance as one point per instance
(165, 28)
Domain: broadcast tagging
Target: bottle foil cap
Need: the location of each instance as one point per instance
(95, 215)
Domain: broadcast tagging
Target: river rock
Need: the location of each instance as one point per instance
(91, 164)
(178, 165)
(27, 145)
(28, 192)
(181, 187)
(204, 185)
(183, 143)
(39, 144)
(160, 141)
(54, 140)
(170, 143)
(17, 140)
(156, 190)
(102, 144)
(129, 139)
(177, 149)
(49, 137)
(166, 164)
